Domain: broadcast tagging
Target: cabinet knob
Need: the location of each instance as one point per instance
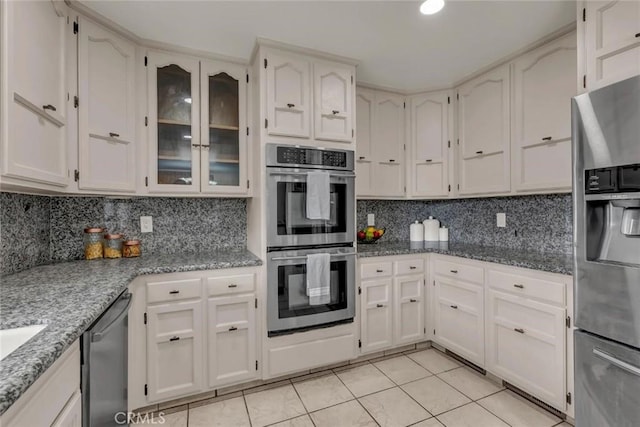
(546, 138)
(114, 135)
(174, 338)
(455, 307)
(413, 300)
(291, 105)
(479, 152)
(454, 271)
(519, 330)
(335, 112)
(49, 107)
(518, 285)
(379, 305)
(195, 145)
(233, 328)
(174, 292)
(233, 285)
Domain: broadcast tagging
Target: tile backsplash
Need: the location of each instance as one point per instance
(51, 228)
(537, 223)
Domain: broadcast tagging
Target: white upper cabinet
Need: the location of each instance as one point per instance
(388, 145)
(34, 95)
(106, 79)
(429, 145)
(174, 113)
(288, 95)
(544, 83)
(365, 103)
(612, 41)
(223, 127)
(483, 132)
(333, 103)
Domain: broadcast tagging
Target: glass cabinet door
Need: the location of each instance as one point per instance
(223, 128)
(173, 114)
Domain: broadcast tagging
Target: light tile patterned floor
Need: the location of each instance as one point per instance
(422, 389)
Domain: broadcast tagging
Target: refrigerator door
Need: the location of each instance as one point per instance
(607, 383)
(606, 133)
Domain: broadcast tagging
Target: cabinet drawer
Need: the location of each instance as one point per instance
(230, 284)
(465, 272)
(545, 290)
(409, 266)
(174, 290)
(378, 269)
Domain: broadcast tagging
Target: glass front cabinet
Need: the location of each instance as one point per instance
(197, 125)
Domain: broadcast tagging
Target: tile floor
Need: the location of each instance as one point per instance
(421, 388)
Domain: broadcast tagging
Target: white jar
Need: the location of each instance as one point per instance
(431, 226)
(416, 232)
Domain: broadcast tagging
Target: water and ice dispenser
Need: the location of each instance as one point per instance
(612, 197)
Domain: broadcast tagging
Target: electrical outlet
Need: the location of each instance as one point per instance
(146, 224)
(371, 219)
(501, 220)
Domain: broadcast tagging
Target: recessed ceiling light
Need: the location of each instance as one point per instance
(429, 7)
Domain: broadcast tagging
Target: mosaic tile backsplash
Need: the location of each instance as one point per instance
(51, 229)
(538, 223)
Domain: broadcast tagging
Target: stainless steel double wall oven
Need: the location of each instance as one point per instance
(291, 236)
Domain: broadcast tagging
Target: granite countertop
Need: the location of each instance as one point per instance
(543, 261)
(68, 297)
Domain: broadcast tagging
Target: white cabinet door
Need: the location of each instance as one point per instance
(232, 340)
(408, 309)
(174, 350)
(174, 115)
(223, 124)
(612, 41)
(429, 159)
(388, 145)
(71, 415)
(544, 83)
(106, 77)
(526, 345)
(333, 103)
(459, 318)
(376, 315)
(34, 98)
(483, 132)
(365, 118)
(288, 95)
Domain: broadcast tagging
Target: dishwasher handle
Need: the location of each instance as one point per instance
(97, 336)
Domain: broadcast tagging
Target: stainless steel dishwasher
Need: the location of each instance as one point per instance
(104, 366)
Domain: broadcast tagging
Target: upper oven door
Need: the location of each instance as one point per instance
(287, 222)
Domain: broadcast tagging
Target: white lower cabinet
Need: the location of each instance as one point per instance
(459, 318)
(232, 339)
(71, 415)
(391, 305)
(174, 333)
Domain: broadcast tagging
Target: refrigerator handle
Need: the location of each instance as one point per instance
(617, 362)
(97, 336)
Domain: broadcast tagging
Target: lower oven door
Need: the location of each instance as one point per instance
(288, 306)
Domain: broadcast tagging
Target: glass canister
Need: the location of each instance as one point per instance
(93, 242)
(131, 248)
(113, 245)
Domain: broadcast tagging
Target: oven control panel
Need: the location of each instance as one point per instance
(287, 155)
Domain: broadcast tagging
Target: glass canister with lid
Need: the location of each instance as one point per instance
(131, 248)
(93, 248)
(113, 245)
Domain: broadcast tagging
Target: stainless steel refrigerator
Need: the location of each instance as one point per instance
(606, 208)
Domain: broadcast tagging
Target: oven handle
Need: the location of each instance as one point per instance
(352, 175)
(286, 258)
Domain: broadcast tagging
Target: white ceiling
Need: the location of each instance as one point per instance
(397, 46)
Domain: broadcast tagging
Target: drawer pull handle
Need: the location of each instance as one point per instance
(391, 160)
(233, 285)
(429, 160)
(291, 105)
(413, 300)
(379, 271)
(233, 328)
(518, 285)
(479, 152)
(519, 330)
(454, 271)
(362, 157)
(335, 112)
(546, 138)
(637, 35)
(174, 338)
(174, 292)
(455, 307)
(49, 107)
(379, 305)
(412, 267)
(114, 135)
